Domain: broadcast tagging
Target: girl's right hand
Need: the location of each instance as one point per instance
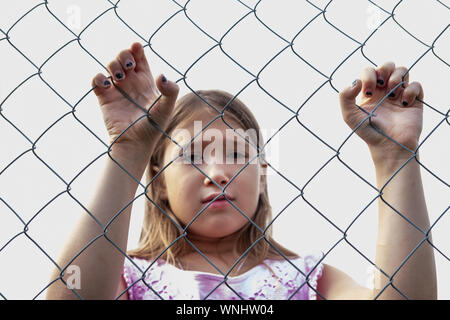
(132, 75)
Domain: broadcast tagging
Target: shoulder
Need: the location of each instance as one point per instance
(298, 274)
(135, 268)
(337, 285)
(136, 264)
(307, 263)
(148, 279)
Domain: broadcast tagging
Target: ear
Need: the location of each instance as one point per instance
(155, 169)
(263, 169)
(263, 177)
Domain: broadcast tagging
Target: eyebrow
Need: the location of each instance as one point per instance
(204, 142)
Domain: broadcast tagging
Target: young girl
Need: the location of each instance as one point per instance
(206, 232)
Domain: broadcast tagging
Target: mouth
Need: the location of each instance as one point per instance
(217, 197)
(219, 203)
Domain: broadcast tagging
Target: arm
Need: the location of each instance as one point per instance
(101, 263)
(133, 140)
(337, 285)
(398, 113)
(397, 238)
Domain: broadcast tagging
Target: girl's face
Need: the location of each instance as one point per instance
(188, 188)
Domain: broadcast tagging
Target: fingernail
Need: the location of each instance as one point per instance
(368, 93)
(405, 103)
(354, 83)
(380, 82)
(119, 75)
(106, 83)
(129, 64)
(164, 79)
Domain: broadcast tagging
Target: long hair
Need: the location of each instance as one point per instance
(160, 235)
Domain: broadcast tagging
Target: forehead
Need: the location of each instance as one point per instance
(192, 131)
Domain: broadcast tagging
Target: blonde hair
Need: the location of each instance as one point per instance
(159, 234)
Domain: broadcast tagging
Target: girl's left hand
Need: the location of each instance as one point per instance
(399, 117)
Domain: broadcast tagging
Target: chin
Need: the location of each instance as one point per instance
(215, 230)
(218, 224)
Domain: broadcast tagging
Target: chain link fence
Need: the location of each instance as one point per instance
(49, 48)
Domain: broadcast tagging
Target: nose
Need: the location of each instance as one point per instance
(217, 174)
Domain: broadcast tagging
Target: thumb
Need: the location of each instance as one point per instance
(161, 112)
(169, 91)
(348, 95)
(347, 98)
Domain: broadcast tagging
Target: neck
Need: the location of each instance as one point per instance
(225, 246)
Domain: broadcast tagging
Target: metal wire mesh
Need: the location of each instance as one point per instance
(183, 11)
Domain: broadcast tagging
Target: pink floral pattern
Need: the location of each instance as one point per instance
(165, 281)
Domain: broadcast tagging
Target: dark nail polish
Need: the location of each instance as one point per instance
(354, 83)
(129, 64)
(380, 82)
(107, 83)
(405, 103)
(119, 75)
(368, 93)
(164, 79)
(392, 95)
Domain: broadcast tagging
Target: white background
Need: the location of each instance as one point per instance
(68, 147)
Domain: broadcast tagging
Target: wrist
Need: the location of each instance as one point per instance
(133, 158)
(392, 159)
(399, 166)
(132, 150)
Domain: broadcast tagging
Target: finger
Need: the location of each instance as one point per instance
(169, 91)
(115, 69)
(384, 72)
(139, 57)
(126, 60)
(369, 80)
(411, 92)
(400, 74)
(100, 83)
(347, 99)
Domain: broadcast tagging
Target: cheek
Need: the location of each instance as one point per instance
(181, 180)
(246, 188)
(178, 176)
(248, 178)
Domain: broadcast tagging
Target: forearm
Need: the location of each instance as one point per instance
(101, 263)
(397, 238)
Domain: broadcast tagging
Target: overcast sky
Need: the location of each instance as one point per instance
(54, 129)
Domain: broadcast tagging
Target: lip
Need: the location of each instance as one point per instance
(218, 204)
(219, 199)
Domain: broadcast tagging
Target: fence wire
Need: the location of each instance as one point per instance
(327, 80)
